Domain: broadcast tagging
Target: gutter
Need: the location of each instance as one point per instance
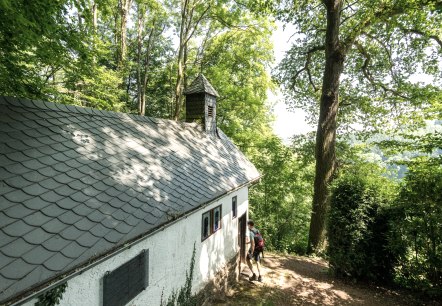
(56, 281)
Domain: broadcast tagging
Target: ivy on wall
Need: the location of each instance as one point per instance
(184, 297)
(52, 297)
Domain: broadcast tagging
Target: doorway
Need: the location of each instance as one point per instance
(242, 226)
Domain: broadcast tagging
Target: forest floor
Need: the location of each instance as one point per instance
(295, 280)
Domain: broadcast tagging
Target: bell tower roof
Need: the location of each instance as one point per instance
(201, 85)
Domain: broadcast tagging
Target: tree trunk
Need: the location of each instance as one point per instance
(139, 49)
(149, 47)
(326, 132)
(95, 17)
(180, 74)
(124, 14)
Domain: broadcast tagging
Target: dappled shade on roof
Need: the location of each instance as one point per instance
(77, 183)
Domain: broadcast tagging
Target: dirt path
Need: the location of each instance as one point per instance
(294, 280)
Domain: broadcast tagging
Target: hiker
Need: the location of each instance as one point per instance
(254, 250)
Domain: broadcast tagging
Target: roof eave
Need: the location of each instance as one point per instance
(23, 297)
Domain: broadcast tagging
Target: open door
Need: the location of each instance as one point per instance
(242, 226)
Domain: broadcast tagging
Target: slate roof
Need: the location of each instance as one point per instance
(201, 85)
(76, 183)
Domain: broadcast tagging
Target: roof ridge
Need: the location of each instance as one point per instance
(60, 107)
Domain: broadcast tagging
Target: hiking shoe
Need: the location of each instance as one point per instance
(259, 278)
(253, 277)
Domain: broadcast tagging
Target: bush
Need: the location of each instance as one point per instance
(358, 227)
(416, 230)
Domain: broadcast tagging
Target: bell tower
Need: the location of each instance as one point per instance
(201, 104)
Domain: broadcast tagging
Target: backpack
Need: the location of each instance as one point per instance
(259, 241)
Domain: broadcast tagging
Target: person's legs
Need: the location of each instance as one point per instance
(249, 264)
(257, 258)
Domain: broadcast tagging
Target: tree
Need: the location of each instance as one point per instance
(191, 15)
(370, 49)
(235, 62)
(148, 34)
(35, 44)
(124, 7)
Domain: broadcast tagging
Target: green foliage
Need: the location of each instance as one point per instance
(357, 231)
(376, 234)
(416, 235)
(52, 297)
(387, 44)
(235, 62)
(184, 297)
(37, 39)
(280, 203)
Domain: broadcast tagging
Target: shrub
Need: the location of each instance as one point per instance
(358, 227)
(416, 230)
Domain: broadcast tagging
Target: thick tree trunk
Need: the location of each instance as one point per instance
(326, 132)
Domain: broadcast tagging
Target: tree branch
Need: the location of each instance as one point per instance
(369, 76)
(382, 14)
(418, 32)
(350, 6)
(386, 49)
(196, 24)
(306, 67)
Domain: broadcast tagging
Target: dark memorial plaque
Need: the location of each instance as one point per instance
(127, 281)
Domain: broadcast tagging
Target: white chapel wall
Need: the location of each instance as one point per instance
(170, 252)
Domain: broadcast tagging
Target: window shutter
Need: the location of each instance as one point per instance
(127, 281)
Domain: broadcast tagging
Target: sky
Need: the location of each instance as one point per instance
(287, 123)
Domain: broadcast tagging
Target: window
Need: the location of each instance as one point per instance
(206, 225)
(211, 222)
(216, 218)
(234, 210)
(210, 111)
(127, 281)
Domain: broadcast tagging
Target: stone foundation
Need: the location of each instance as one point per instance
(219, 287)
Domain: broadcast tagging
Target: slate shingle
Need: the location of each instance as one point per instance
(48, 172)
(82, 210)
(5, 260)
(18, 211)
(17, 229)
(55, 244)
(54, 226)
(73, 250)
(71, 233)
(37, 219)
(16, 168)
(37, 255)
(57, 262)
(17, 269)
(114, 236)
(53, 210)
(37, 236)
(17, 248)
(69, 217)
(51, 197)
(5, 239)
(87, 240)
(75, 183)
(34, 189)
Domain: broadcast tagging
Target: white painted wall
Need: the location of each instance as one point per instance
(170, 252)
